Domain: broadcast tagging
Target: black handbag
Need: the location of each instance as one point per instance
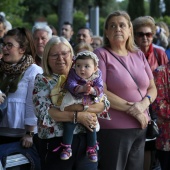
(3, 106)
(152, 128)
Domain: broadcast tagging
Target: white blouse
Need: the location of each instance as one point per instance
(20, 110)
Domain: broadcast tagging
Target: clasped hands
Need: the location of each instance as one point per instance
(89, 120)
(88, 89)
(137, 111)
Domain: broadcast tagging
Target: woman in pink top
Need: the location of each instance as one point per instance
(122, 139)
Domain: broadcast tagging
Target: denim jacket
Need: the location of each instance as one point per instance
(14, 148)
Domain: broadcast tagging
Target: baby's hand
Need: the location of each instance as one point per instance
(89, 88)
(86, 88)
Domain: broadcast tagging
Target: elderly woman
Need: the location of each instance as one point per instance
(144, 31)
(57, 60)
(130, 88)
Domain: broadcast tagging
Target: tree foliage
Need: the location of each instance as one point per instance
(39, 8)
(14, 16)
(25, 12)
(154, 8)
(167, 6)
(136, 8)
(123, 5)
(106, 7)
(9, 7)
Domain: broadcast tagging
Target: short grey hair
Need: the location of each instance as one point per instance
(42, 27)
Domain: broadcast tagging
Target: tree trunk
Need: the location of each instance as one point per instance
(65, 12)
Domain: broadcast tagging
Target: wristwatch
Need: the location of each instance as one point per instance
(150, 99)
(31, 134)
(85, 108)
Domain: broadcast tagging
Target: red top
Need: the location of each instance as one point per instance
(154, 61)
(162, 106)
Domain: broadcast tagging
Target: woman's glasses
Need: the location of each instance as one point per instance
(142, 34)
(63, 54)
(8, 45)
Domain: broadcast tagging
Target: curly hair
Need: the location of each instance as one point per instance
(142, 22)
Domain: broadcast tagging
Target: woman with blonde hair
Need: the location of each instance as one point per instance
(129, 86)
(57, 61)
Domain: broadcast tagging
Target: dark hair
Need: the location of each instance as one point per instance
(86, 28)
(68, 23)
(24, 37)
(82, 46)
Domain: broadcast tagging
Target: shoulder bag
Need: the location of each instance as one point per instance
(152, 128)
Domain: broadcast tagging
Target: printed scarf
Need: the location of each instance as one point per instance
(11, 74)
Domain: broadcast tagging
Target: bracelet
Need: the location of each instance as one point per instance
(30, 133)
(150, 99)
(75, 117)
(85, 107)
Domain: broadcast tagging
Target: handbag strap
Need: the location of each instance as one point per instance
(127, 70)
(129, 73)
(156, 55)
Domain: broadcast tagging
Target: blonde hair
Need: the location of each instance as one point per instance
(130, 44)
(82, 46)
(144, 21)
(53, 41)
(98, 38)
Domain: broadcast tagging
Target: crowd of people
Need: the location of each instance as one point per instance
(83, 104)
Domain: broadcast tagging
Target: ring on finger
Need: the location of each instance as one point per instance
(91, 126)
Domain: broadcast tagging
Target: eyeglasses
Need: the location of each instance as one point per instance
(142, 34)
(8, 45)
(64, 54)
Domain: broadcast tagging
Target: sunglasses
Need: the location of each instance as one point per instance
(142, 34)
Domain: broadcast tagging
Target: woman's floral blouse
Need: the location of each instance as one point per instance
(162, 106)
(47, 127)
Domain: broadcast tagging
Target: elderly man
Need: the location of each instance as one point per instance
(84, 34)
(41, 34)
